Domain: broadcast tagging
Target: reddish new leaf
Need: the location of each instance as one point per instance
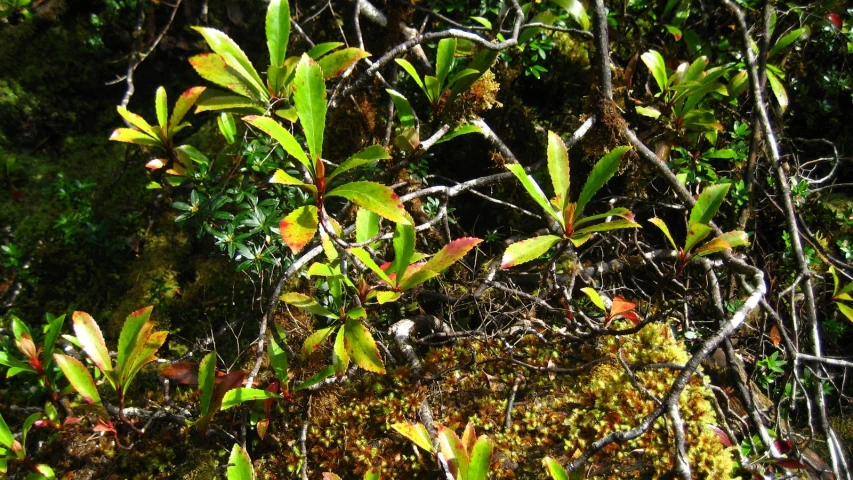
(724, 438)
(185, 373)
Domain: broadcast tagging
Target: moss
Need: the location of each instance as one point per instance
(351, 425)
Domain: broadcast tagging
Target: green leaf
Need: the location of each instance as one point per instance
(372, 474)
(366, 225)
(450, 254)
(388, 297)
(282, 136)
(481, 457)
(315, 339)
(340, 357)
(92, 341)
(139, 123)
(417, 433)
(375, 197)
(233, 103)
(357, 313)
(239, 463)
(404, 109)
(460, 130)
(555, 469)
(323, 48)
(310, 102)
(79, 377)
(444, 58)
(299, 227)
(412, 73)
(278, 31)
(227, 126)
(615, 212)
(361, 347)
(558, 168)
(316, 378)
(6, 437)
(283, 178)
(207, 381)
(54, 327)
(846, 310)
(234, 57)
(162, 107)
(696, 232)
(183, 105)
(146, 346)
(368, 155)
(278, 362)
(416, 278)
(606, 227)
(576, 10)
(433, 89)
(778, 90)
(708, 203)
(654, 61)
(663, 227)
(404, 248)
(336, 63)
(534, 190)
(129, 335)
(300, 300)
(603, 170)
(595, 297)
(242, 395)
(713, 246)
(648, 112)
(527, 250)
(128, 135)
(786, 40)
(368, 262)
(454, 452)
(212, 68)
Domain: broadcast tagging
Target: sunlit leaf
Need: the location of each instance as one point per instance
(453, 451)
(241, 395)
(92, 341)
(278, 362)
(128, 135)
(595, 298)
(336, 63)
(315, 339)
(206, 381)
(603, 170)
(696, 232)
(527, 250)
(846, 310)
(278, 31)
(361, 346)
(404, 246)
(576, 10)
(239, 463)
(708, 203)
(417, 433)
(282, 136)
(223, 45)
(79, 377)
(607, 226)
(444, 58)
(366, 225)
(655, 63)
(183, 105)
(481, 456)
(162, 107)
(374, 197)
(404, 109)
(778, 90)
(534, 190)
(299, 227)
(212, 68)
(310, 101)
(387, 297)
(451, 253)
(558, 168)
(323, 48)
(555, 469)
(283, 178)
(368, 155)
(412, 72)
(300, 300)
(663, 227)
(786, 40)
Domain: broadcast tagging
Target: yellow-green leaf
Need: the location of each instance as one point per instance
(374, 197)
(278, 31)
(527, 250)
(315, 339)
(665, 229)
(90, 338)
(79, 377)
(595, 297)
(310, 101)
(558, 168)
(239, 463)
(300, 300)
(282, 136)
(336, 63)
(417, 433)
(361, 346)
